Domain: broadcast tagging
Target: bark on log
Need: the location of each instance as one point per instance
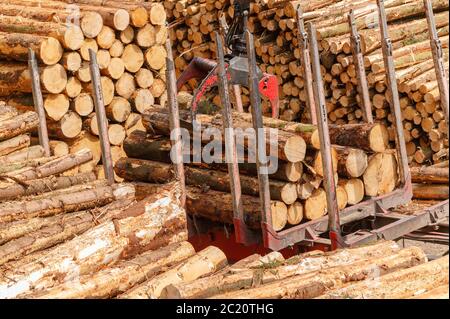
(48, 184)
(429, 175)
(148, 225)
(71, 36)
(23, 227)
(205, 262)
(16, 143)
(30, 153)
(314, 284)
(441, 292)
(424, 191)
(109, 282)
(301, 264)
(290, 147)
(15, 46)
(368, 137)
(381, 175)
(62, 228)
(156, 172)
(397, 285)
(352, 162)
(23, 123)
(14, 166)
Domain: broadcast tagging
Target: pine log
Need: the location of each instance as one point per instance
(156, 172)
(354, 189)
(148, 225)
(68, 127)
(316, 205)
(352, 162)
(368, 137)
(441, 292)
(141, 145)
(7, 112)
(429, 175)
(295, 213)
(115, 18)
(217, 206)
(59, 229)
(301, 264)
(397, 285)
(16, 143)
(311, 285)
(56, 106)
(205, 262)
(121, 277)
(290, 147)
(381, 175)
(429, 191)
(14, 166)
(13, 190)
(53, 167)
(90, 142)
(71, 36)
(61, 203)
(29, 153)
(15, 46)
(20, 124)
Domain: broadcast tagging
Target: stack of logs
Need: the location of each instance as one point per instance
(60, 230)
(273, 23)
(362, 163)
(176, 271)
(129, 41)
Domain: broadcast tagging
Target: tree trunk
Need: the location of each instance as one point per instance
(441, 292)
(15, 46)
(16, 143)
(14, 166)
(30, 153)
(156, 172)
(65, 228)
(153, 223)
(117, 279)
(20, 124)
(205, 262)
(60, 203)
(381, 175)
(117, 19)
(314, 284)
(368, 137)
(301, 264)
(69, 127)
(352, 162)
(70, 36)
(53, 167)
(404, 283)
(354, 188)
(429, 175)
(290, 147)
(13, 190)
(426, 191)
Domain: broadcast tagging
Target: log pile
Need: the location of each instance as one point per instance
(381, 270)
(273, 22)
(363, 166)
(129, 41)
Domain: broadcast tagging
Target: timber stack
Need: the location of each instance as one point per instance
(274, 25)
(57, 226)
(128, 38)
(363, 166)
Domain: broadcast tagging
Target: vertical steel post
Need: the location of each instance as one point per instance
(358, 61)
(393, 96)
(325, 145)
(438, 59)
(38, 102)
(230, 145)
(306, 63)
(262, 166)
(174, 117)
(102, 122)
